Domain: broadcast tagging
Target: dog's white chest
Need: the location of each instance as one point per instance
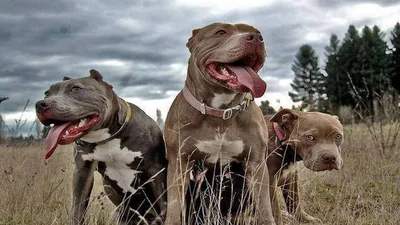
(221, 149)
(283, 175)
(220, 99)
(116, 160)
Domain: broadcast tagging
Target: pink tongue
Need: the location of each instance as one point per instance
(52, 138)
(250, 79)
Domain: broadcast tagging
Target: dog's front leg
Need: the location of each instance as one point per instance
(258, 179)
(290, 190)
(275, 197)
(81, 188)
(177, 182)
(158, 174)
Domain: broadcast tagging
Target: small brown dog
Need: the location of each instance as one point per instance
(312, 137)
(213, 119)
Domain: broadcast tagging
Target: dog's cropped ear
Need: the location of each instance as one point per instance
(189, 44)
(66, 78)
(285, 117)
(96, 75)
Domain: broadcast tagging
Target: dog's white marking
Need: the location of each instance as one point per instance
(96, 136)
(82, 122)
(290, 169)
(116, 160)
(221, 149)
(221, 99)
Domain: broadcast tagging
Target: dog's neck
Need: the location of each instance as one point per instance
(213, 95)
(281, 134)
(113, 126)
(289, 155)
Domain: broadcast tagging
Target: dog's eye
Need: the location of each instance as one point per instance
(309, 138)
(46, 94)
(338, 137)
(75, 88)
(220, 32)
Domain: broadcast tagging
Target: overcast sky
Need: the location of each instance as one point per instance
(139, 46)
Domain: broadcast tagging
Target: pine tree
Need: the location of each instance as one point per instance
(266, 108)
(336, 85)
(160, 120)
(350, 59)
(374, 66)
(308, 83)
(395, 57)
(375, 59)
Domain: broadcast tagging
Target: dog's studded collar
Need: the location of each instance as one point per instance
(225, 114)
(126, 121)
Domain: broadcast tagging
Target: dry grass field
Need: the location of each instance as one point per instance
(365, 191)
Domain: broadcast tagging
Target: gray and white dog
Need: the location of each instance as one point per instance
(124, 142)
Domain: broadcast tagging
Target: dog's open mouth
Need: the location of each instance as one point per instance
(240, 75)
(65, 132)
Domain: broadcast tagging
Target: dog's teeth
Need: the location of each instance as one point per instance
(224, 71)
(82, 122)
(66, 133)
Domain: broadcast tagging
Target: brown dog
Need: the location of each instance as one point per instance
(213, 120)
(295, 136)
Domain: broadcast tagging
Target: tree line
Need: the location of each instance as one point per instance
(359, 71)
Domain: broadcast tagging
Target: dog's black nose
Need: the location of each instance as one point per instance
(42, 105)
(254, 38)
(329, 159)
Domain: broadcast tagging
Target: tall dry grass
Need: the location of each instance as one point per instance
(33, 191)
(365, 191)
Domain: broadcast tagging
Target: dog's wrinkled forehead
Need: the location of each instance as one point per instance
(325, 124)
(209, 33)
(69, 85)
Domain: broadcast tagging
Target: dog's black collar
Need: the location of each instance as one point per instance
(126, 121)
